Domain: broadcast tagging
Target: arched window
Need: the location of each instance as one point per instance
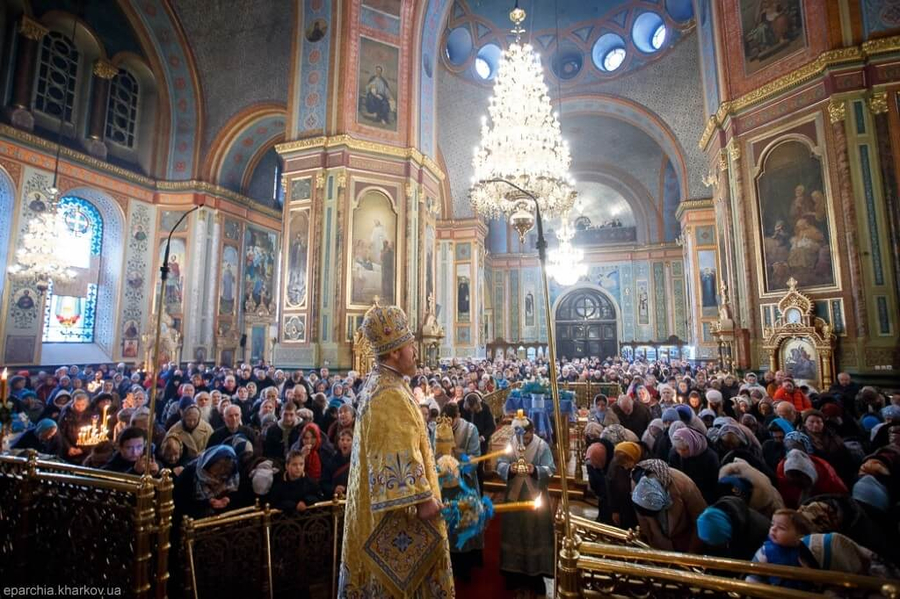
(122, 110)
(71, 307)
(54, 92)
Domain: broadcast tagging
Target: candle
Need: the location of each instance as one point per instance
(3, 385)
(495, 454)
(104, 422)
(518, 506)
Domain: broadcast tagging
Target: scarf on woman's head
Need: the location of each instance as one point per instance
(658, 469)
(691, 439)
(313, 461)
(616, 433)
(798, 437)
(206, 486)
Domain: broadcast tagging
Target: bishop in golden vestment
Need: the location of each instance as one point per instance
(395, 542)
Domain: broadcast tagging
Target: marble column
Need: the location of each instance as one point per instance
(30, 35)
(837, 111)
(104, 71)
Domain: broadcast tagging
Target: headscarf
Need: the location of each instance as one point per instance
(208, 487)
(870, 491)
(44, 425)
(714, 527)
(616, 433)
(890, 412)
(685, 413)
(783, 424)
(593, 430)
(670, 415)
(240, 444)
(313, 461)
(836, 552)
(658, 469)
(675, 426)
(629, 448)
(650, 494)
(692, 440)
(736, 486)
(799, 437)
(648, 437)
(707, 412)
(798, 461)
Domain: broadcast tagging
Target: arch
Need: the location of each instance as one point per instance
(7, 211)
(639, 116)
(163, 39)
(150, 106)
(106, 325)
(241, 142)
(602, 342)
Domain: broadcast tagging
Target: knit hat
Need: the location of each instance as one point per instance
(670, 415)
(870, 491)
(798, 437)
(870, 421)
(629, 448)
(832, 410)
(798, 461)
(707, 413)
(44, 425)
(684, 412)
(736, 486)
(713, 396)
(891, 412)
(714, 527)
(596, 455)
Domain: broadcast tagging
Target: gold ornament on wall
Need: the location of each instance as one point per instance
(878, 102)
(837, 110)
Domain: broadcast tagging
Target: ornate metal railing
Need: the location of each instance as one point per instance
(281, 555)
(586, 390)
(497, 400)
(65, 525)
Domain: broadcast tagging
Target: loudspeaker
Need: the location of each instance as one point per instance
(243, 340)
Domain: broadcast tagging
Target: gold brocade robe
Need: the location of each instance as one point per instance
(387, 551)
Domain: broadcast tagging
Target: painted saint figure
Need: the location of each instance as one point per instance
(378, 97)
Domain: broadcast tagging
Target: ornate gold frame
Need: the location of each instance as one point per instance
(803, 325)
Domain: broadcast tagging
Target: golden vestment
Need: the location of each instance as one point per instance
(387, 550)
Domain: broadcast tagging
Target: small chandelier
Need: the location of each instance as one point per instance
(566, 262)
(37, 257)
(521, 143)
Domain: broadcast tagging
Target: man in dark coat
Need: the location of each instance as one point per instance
(731, 529)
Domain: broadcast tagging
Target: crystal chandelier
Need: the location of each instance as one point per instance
(37, 257)
(521, 143)
(566, 263)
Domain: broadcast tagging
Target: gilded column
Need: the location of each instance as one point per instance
(837, 111)
(740, 294)
(30, 35)
(104, 71)
(878, 106)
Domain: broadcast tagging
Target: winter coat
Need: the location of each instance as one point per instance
(703, 469)
(827, 481)
(765, 498)
(687, 504)
(749, 529)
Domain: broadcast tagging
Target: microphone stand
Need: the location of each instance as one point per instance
(163, 276)
(568, 545)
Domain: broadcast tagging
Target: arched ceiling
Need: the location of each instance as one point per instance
(601, 203)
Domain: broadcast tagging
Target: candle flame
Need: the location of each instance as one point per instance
(509, 448)
(5, 373)
(537, 502)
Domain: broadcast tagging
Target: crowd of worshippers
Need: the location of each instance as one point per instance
(760, 469)
(705, 462)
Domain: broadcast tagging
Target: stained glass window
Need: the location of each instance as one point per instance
(70, 318)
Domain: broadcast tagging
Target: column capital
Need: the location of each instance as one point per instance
(105, 69)
(837, 110)
(878, 102)
(31, 29)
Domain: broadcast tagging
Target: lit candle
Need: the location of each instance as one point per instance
(104, 423)
(3, 384)
(494, 454)
(518, 506)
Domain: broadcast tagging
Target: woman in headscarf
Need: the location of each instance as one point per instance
(827, 445)
(691, 454)
(773, 447)
(616, 433)
(655, 430)
(208, 485)
(801, 476)
(71, 419)
(837, 553)
(730, 528)
(43, 438)
(192, 431)
(618, 477)
(668, 504)
(311, 446)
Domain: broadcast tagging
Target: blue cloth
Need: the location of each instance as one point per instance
(870, 491)
(737, 486)
(670, 415)
(714, 527)
(801, 438)
(783, 425)
(44, 425)
(783, 556)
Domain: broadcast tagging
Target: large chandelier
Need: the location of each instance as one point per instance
(37, 257)
(566, 262)
(521, 142)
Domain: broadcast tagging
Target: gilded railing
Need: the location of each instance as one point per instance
(586, 390)
(69, 526)
(497, 400)
(280, 554)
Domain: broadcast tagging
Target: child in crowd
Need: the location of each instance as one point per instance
(294, 491)
(785, 547)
